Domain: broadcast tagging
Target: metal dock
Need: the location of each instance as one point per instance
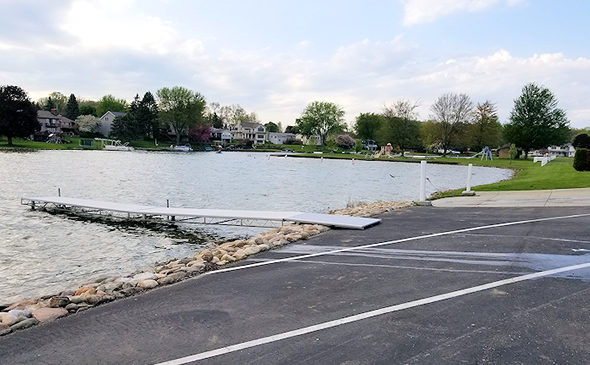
(196, 216)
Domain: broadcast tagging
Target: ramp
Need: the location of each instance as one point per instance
(197, 216)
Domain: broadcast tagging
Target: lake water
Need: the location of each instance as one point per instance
(42, 254)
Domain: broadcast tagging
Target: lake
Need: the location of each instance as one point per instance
(43, 253)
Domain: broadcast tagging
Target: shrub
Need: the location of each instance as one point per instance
(581, 162)
(345, 141)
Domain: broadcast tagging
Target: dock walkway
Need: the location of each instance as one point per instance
(199, 216)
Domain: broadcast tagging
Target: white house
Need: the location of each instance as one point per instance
(280, 138)
(567, 150)
(220, 135)
(255, 132)
(106, 121)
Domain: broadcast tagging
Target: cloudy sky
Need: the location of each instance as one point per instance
(273, 57)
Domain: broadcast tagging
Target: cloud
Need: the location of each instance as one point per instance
(426, 11)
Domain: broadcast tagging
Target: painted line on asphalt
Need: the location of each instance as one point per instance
(406, 267)
(415, 238)
(366, 315)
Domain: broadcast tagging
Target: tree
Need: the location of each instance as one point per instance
(400, 125)
(181, 108)
(147, 114)
(88, 110)
(18, 115)
(200, 133)
(55, 100)
(128, 127)
(582, 140)
(272, 127)
(321, 119)
(485, 129)
(535, 120)
(72, 108)
(88, 123)
(367, 126)
(345, 141)
(110, 103)
(451, 113)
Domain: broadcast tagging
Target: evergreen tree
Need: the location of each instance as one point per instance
(72, 108)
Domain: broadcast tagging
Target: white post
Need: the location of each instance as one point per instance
(469, 168)
(468, 187)
(422, 180)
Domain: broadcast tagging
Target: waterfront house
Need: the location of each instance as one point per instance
(106, 121)
(220, 135)
(51, 122)
(254, 132)
(281, 138)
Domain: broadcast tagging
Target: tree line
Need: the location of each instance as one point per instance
(455, 122)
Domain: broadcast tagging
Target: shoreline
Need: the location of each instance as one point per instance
(30, 312)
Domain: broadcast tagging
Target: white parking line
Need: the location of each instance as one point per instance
(365, 315)
(235, 268)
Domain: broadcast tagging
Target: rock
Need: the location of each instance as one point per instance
(251, 250)
(67, 293)
(59, 302)
(129, 291)
(197, 263)
(85, 290)
(8, 319)
(21, 304)
(240, 254)
(263, 247)
(147, 284)
(172, 278)
(227, 257)
(72, 308)
(49, 314)
(20, 312)
(77, 299)
(143, 276)
(93, 299)
(240, 243)
(30, 322)
(184, 261)
(4, 329)
(207, 255)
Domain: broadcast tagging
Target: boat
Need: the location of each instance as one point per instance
(114, 145)
(181, 148)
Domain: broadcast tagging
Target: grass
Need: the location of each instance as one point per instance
(558, 174)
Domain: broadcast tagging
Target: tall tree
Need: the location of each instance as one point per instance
(72, 108)
(321, 119)
(147, 115)
(128, 127)
(400, 125)
(536, 121)
(110, 103)
(88, 110)
(181, 108)
(485, 130)
(367, 125)
(18, 115)
(451, 113)
(582, 140)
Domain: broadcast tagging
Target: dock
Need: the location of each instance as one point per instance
(245, 218)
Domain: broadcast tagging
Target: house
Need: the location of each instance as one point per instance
(567, 150)
(254, 132)
(53, 123)
(106, 121)
(220, 135)
(281, 138)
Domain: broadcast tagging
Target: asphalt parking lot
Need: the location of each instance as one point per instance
(429, 285)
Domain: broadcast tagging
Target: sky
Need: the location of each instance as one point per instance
(274, 57)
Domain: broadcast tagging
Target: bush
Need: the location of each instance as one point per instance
(581, 160)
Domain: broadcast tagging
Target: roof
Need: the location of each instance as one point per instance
(116, 114)
(251, 125)
(46, 114)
